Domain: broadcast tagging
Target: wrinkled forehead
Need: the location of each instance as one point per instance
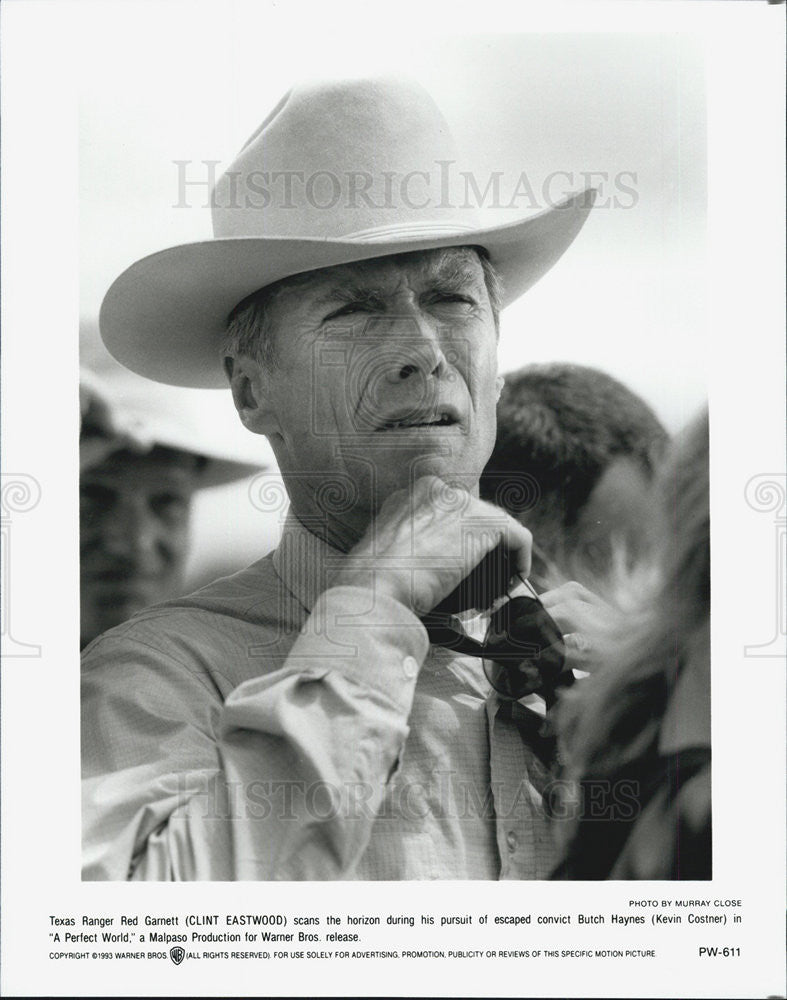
(448, 264)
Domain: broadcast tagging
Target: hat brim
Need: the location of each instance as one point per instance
(121, 412)
(164, 316)
(215, 472)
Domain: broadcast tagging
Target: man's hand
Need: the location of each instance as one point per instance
(424, 542)
(583, 618)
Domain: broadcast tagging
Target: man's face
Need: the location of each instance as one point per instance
(618, 519)
(613, 529)
(385, 370)
(134, 518)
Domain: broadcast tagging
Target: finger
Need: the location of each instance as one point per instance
(569, 591)
(577, 644)
(581, 593)
(574, 616)
(519, 542)
(580, 652)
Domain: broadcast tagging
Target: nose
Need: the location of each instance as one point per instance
(410, 347)
(131, 535)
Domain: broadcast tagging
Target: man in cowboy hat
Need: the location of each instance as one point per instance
(141, 461)
(293, 721)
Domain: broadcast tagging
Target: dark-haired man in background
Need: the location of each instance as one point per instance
(574, 461)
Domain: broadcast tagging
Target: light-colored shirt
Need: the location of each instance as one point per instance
(266, 727)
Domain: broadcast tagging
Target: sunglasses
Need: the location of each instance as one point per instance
(523, 651)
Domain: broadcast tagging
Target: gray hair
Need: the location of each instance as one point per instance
(250, 326)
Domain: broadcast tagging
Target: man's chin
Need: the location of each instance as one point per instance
(402, 475)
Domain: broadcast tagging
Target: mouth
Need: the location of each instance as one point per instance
(420, 421)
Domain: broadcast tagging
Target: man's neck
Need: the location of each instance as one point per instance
(340, 532)
(342, 529)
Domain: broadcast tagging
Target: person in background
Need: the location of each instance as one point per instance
(574, 461)
(137, 479)
(635, 736)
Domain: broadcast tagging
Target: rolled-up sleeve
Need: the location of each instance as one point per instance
(280, 779)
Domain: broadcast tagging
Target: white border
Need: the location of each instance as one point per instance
(40, 822)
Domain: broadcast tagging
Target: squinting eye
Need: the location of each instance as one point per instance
(453, 299)
(348, 310)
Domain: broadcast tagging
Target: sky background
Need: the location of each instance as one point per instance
(629, 295)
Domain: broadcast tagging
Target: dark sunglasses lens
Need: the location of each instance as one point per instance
(525, 651)
(511, 681)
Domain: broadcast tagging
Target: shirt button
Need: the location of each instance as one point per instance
(410, 666)
(511, 841)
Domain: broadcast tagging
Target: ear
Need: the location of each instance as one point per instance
(499, 383)
(250, 385)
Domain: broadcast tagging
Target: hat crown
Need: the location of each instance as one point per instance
(337, 172)
(345, 159)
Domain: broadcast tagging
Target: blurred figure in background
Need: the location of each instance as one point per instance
(139, 470)
(635, 735)
(574, 461)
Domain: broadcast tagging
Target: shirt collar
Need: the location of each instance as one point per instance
(304, 561)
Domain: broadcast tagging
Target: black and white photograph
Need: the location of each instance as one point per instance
(406, 455)
(343, 708)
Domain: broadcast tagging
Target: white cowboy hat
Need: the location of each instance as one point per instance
(339, 171)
